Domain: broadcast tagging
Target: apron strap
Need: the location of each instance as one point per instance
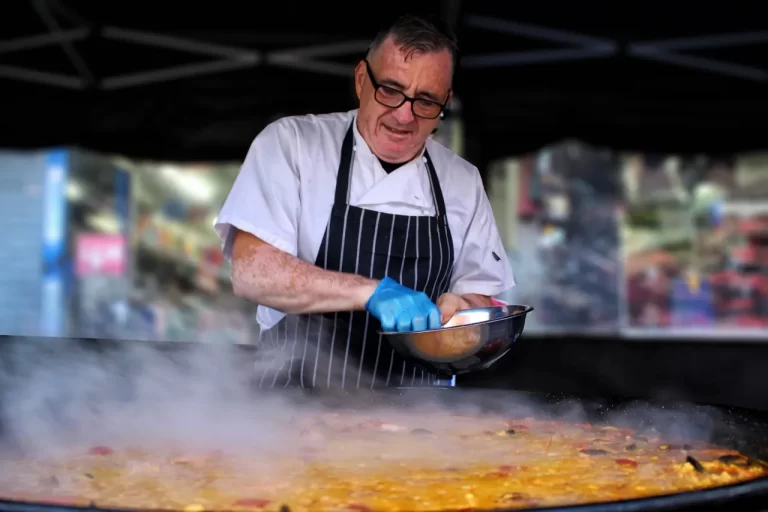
(437, 191)
(345, 166)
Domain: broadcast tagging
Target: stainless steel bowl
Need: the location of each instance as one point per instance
(473, 339)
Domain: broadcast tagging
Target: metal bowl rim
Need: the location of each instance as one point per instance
(526, 309)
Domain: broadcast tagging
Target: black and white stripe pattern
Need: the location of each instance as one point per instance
(344, 349)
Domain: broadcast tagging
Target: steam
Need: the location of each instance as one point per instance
(58, 392)
(61, 395)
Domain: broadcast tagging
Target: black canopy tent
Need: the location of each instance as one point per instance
(172, 80)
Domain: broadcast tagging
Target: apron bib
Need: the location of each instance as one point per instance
(344, 349)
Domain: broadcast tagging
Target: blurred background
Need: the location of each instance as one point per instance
(622, 149)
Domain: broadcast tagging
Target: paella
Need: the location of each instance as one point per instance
(347, 461)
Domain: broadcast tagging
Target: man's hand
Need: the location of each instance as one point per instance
(401, 309)
(450, 303)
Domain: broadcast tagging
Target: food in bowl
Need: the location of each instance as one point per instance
(448, 342)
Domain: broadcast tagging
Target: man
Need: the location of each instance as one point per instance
(343, 225)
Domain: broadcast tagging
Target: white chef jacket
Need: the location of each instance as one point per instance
(285, 189)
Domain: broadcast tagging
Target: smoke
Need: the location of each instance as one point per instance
(676, 423)
(60, 393)
(63, 395)
(309, 364)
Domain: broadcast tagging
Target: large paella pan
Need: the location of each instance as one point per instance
(405, 450)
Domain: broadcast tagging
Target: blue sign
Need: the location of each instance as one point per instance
(54, 246)
(123, 199)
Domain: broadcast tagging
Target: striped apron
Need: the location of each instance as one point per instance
(344, 349)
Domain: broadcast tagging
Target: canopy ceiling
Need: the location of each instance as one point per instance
(173, 80)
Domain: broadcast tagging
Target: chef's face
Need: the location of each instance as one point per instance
(397, 134)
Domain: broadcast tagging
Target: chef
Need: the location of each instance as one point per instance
(343, 225)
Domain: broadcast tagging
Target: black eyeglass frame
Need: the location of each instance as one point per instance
(377, 86)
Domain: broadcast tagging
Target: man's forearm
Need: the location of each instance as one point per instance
(270, 277)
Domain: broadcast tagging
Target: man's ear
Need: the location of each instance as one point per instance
(360, 72)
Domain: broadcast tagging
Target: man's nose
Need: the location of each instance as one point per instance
(404, 114)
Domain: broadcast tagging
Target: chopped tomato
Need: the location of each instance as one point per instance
(252, 502)
(627, 462)
(101, 450)
(358, 507)
(507, 468)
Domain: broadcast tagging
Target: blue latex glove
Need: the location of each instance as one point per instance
(401, 309)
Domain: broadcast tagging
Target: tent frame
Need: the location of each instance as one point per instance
(312, 59)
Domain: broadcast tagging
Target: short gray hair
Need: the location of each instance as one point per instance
(416, 34)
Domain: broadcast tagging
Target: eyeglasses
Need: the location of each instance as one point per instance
(392, 98)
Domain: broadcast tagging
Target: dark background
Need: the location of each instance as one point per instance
(708, 98)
